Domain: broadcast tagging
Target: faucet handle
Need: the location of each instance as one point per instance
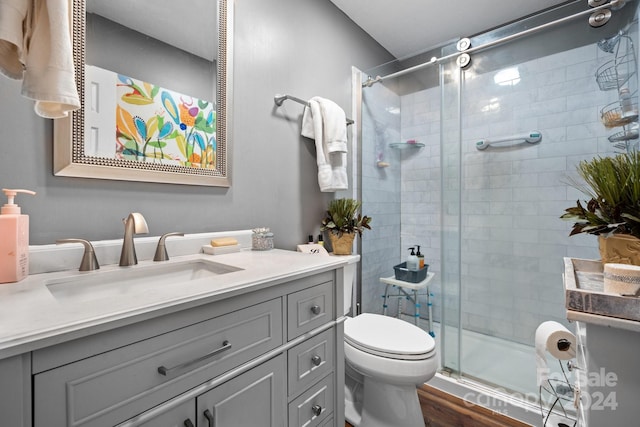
(161, 249)
(89, 261)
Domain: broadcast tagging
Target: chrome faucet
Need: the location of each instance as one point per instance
(133, 224)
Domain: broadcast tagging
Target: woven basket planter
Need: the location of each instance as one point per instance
(619, 249)
(343, 244)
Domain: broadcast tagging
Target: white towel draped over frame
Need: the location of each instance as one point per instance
(324, 121)
(35, 46)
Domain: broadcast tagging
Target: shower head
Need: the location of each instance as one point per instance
(609, 44)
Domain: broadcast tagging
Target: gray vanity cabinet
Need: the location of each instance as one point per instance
(15, 391)
(271, 357)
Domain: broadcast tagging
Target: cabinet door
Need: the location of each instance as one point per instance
(255, 398)
(181, 416)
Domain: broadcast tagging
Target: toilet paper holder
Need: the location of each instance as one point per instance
(563, 344)
(571, 366)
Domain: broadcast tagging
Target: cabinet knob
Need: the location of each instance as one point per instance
(317, 360)
(316, 309)
(317, 410)
(188, 423)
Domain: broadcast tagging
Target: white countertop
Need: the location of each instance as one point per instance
(32, 317)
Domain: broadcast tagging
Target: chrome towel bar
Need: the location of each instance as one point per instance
(279, 100)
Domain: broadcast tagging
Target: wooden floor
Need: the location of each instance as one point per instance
(441, 409)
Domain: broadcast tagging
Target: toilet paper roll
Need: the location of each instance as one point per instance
(554, 338)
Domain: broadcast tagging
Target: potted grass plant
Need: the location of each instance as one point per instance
(612, 212)
(343, 221)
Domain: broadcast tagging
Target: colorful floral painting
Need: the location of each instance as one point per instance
(158, 125)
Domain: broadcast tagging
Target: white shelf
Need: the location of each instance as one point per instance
(395, 282)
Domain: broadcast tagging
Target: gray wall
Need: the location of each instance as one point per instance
(301, 47)
(120, 49)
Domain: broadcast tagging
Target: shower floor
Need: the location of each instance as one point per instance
(507, 366)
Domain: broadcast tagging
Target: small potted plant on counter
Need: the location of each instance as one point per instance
(613, 210)
(342, 221)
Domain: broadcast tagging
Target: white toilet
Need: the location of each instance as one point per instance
(386, 358)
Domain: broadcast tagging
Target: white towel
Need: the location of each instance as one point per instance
(13, 14)
(332, 165)
(334, 127)
(35, 45)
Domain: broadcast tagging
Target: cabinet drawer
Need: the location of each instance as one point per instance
(310, 361)
(109, 388)
(312, 407)
(309, 308)
(328, 423)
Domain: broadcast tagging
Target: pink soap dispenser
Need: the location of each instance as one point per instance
(14, 244)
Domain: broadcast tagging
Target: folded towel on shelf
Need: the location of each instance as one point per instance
(35, 45)
(331, 144)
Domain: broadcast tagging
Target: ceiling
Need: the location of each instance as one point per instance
(413, 26)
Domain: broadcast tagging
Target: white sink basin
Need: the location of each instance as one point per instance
(128, 281)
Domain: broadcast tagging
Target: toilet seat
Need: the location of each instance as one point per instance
(388, 337)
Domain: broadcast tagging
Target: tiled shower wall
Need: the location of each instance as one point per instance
(512, 240)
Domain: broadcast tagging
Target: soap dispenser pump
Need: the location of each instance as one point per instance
(420, 258)
(412, 260)
(14, 244)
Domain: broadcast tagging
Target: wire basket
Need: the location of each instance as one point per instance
(628, 134)
(612, 114)
(556, 396)
(615, 73)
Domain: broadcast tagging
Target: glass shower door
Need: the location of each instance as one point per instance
(536, 116)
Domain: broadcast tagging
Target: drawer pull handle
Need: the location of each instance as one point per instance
(317, 410)
(317, 360)
(188, 423)
(226, 345)
(316, 309)
(209, 416)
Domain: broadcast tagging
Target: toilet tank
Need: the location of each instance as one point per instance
(349, 276)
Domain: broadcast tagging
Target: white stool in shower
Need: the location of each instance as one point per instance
(413, 296)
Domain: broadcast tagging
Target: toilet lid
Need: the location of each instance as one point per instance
(388, 337)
